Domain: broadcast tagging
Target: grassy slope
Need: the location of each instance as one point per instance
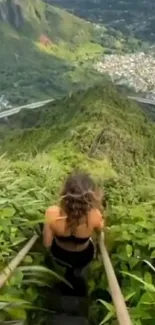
(92, 121)
(99, 131)
(39, 71)
(31, 71)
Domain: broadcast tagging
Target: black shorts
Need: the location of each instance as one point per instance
(73, 259)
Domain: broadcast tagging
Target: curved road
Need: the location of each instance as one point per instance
(16, 110)
(142, 100)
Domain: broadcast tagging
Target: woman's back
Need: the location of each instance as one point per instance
(76, 238)
(69, 226)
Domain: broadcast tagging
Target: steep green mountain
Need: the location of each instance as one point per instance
(93, 122)
(100, 131)
(45, 51)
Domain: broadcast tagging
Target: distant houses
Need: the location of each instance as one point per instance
(136, 70)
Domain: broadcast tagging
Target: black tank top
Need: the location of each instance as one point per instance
(73, 239)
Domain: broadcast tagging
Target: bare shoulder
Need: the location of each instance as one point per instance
(52, 213)
(54, 209)
(96, 218)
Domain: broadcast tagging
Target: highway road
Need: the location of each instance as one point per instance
(16, 110)
(142, 100)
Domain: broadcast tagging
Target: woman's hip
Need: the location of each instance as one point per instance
(73, 258)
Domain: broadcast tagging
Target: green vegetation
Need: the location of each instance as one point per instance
(95, 129)
(132, 18)
(42, 56)
(100, 131)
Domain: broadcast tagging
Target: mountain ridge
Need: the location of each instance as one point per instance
(95, 130)
(91, 121)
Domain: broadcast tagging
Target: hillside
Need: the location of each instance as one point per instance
(128, 39)
(41, 56)
(134, 18)
(47, 52)
(93, 122)
(100, 131)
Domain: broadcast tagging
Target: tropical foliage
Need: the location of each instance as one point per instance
(99, 131)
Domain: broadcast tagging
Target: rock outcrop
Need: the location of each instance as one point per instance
(11, 12)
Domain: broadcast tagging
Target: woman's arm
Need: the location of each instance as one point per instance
(99, 221)
(98, 228)
(47, 236)
(47, 230)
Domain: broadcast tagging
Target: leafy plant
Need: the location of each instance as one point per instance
(99, 131)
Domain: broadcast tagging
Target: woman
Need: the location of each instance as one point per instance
(68, 227)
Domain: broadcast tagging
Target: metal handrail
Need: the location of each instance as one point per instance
(117, 297)
(7, 272)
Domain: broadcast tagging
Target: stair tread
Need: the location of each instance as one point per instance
(64, 319)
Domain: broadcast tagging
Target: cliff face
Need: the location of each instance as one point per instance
(11, 12)
(15, 12)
